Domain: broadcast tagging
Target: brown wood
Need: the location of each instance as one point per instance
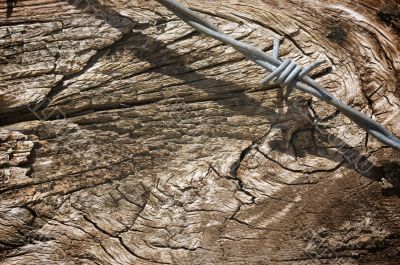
(128, 138)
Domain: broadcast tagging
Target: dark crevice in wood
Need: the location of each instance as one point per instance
(110, 18)
(145, 231)
(390, 14)
(10, 7)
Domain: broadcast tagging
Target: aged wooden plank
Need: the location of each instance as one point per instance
(128, 138)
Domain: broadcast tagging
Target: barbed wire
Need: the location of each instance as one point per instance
(286, 73)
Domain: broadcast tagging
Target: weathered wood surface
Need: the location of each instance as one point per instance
(128, 138)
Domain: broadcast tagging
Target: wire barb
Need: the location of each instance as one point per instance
(286, 73)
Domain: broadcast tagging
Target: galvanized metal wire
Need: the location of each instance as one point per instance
(286, 73)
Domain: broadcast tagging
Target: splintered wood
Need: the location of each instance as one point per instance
(129, 138)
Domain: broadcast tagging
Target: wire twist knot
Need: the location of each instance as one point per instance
(288, 73)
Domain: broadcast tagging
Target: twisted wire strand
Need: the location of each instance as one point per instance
(289, 72)
(286, 73)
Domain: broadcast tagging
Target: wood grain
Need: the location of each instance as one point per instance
(128, 138)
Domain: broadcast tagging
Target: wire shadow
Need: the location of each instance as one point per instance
(168, 62)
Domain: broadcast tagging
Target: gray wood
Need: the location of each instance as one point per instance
(128, 138)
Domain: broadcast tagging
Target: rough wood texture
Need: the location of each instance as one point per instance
(128, 138)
